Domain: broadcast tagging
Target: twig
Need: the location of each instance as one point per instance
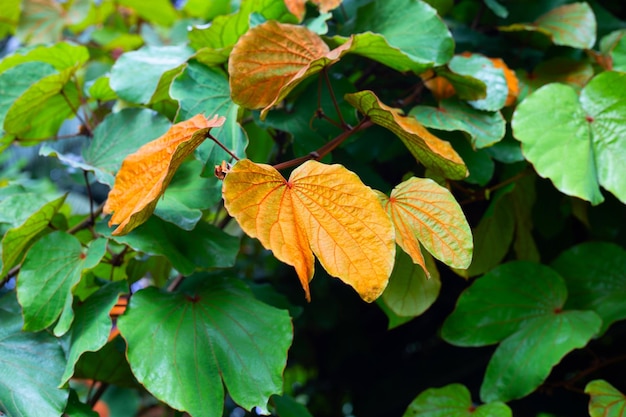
(334, 99)
(89, 196)
(221, 145)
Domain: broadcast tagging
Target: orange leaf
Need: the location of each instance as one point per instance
(145, 174)
(322, 209)
(511, 80)
(296, 8)
(423, 211)
(438, 85)
(327, 5)
(271, 59)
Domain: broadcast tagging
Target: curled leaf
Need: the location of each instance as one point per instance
(322, 209)
(145, 174)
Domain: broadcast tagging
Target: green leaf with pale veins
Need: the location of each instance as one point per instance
(30, 368)
(206, 335)
(483, 127)
(582, 132)
(60, 55)
(92, 325)
(453, 400)
(606, 400)
(481, 68)
(51, 268)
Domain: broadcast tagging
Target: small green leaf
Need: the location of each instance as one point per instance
(161, 12)
(214, 333)
(92, 325)
(107, 365)
(484, 128)
(135, 76)
(570, 25)
(29, 379)
(61, 56)
(595, 274)
(51, 268)
(480, 67)
(466, 87)
(614, 45)
(453, 400)
(497, 9)
(101, 90)
(76, 408)
(10, 12)
(605, 401)
(287, 406)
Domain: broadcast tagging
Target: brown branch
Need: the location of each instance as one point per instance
(221, 145)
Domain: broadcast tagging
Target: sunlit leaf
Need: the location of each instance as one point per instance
(606, 400)
(322, 209)
(271, 59)
(145, 174)
(428, 149)
(614, 45)
(453, 400)
(10, 13)
(218, 332)
(60, 55)
(423, 212)
(161, 12)
(41, 21)
(482, 68)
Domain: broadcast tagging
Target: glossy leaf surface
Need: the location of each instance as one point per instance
(606, 400)
(480, 67)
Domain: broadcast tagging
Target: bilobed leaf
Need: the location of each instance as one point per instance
(271, 59)
(482, 68)
(51, 268)
(92, 325)
(29, 378)
(453, 400)
(322, 209)
(484, 128)
(428, 149)
(206, 335)
(595, 274)
(581, 132)
(606, 400)
(146, 173)
(423, 212)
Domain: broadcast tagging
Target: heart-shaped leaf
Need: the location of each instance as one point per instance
(428, 149)
(322, 209)
(145, 174)
(605, 401)
(206, 335)
(582, 132)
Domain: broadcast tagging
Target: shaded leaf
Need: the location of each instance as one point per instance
(559, 69)
(51, 268)
(287, 406)
(497, 9)
(453, 400)
(145, 174)
(428, 149)
(522, 202)
(322, 209)
(219, 332)
(423, 212)
(595, 274)
(484, 128)
(466, 86)
(605, 401)
(581, 131)
(107, 365)
(271, 59)
(480, 67)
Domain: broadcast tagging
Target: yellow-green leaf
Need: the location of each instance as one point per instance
(322, 209)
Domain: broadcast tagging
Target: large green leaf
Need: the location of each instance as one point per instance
(135, 76)
(524, 360)
(31, 366)
(428, 149)
(60, 55)
(484, 128)
(203, 247)
(595, 274)
(579, 146)
(606, 400)
(499, 303)
(51, 268)
(453, 400)
(406, 35)
(481, 68)
(18, 239)
(92, 325)
(206, 335)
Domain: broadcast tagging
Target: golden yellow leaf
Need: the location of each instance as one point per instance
(146, 173)
(322, 209)
(424, 212)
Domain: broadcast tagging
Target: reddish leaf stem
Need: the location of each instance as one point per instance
(333, 98)
(84, 122)
(221, 145)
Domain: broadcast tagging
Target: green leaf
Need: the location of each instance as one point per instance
(614, 45)
(18, 239)
(478, 161)
(287, 406)
(187, 195)
(203, 247)
(466, 87)
(522, 202)
(431, 151)
(91, 328)
(480, 67)
(484, 128)
(501, 302)
(497, 9)
(107, 365)
(10, 14)
(76, 408)
(135, 76)
(29, 378)
(595, 274)
(453, 400)
(161, 12)
(562, 70)
(40, 22)
(51, 268)
(218, 332)
(61, 56)
(580, 132)
(524, 360)
(409, 292)
(605, 401)
(405, 35)
(101, 90)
